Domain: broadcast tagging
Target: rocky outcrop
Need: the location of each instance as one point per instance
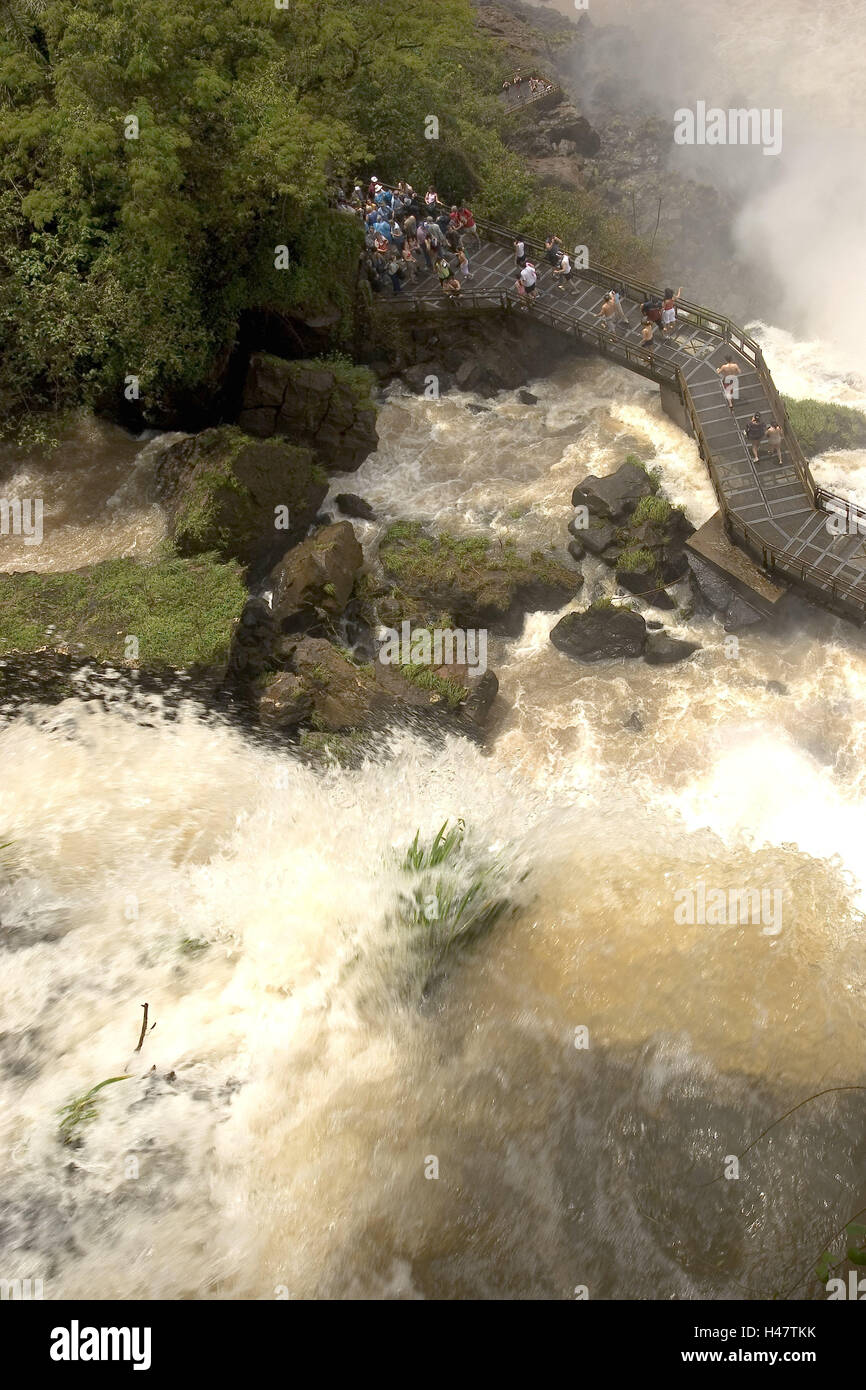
(485, 354)
(350, 504)
(284, 702)
(600, 634)
(470, 580)
(316, 577)
(733, 610)
(664, 650)
(617, 495)
(244, 498)
(553, 129)
(623, 520)
(325, 406)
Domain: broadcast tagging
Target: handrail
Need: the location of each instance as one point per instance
(643, 360)
(521, 105)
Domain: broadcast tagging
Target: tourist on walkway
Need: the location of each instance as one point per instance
(431, 199)
(449, 284)
(755, 432)
(552, 252)
(776, 438)
(529, 280)
(620, 313)
(729, 371)
(608, 312)
(647, 338)
(463, 264)
(395, 272)
(669, 310)
(520, 253)
(652, 310)
(467, 228)
(422, 236)
(563, 271)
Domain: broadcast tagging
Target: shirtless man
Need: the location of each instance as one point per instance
(729, 371)
(775, 437)
(609, 311)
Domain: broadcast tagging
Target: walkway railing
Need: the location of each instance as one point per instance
(520, 103)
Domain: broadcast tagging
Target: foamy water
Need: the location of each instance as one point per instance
(310, 1059)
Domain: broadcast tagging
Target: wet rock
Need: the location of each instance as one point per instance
(351, 504)
(479, 702)
(576, 549)
(615, 496)
(664, 650)
(284, 702)
(653, 625)
(634, 722)
(598, 537)
(739, 615)
(527, 398)
(776, 687)
(342, 696)
(325, 407)
(478, 583)
(253, 640)
(222, 489)
(600, 634)
(317, 576)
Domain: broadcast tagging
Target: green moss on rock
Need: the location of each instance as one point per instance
(180, 611)
(224, 488)
(474, 579)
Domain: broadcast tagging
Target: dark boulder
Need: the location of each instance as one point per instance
(600, 634)
(664, 650)
(351, 504)
(597, 537)
(615, 496)
(325, 406)
(284, 702)
(316, 577)
(246, 499)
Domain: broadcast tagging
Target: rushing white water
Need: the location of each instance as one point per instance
(307, 1063)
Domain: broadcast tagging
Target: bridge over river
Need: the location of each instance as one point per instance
(775, 528)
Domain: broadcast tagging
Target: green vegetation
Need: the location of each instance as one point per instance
(82, 1110)
(414, 557)
(656, 510)
(821, 425)
(426, 679)
(193, 946)
(180, 611)
(654, 474)
(635, 559)
(344, 748)
(156, 153)
(458, 893)
(236, 482)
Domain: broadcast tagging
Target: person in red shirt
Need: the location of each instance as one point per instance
(466, 223)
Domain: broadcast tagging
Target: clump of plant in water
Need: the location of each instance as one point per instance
(82, 1110)
(454, 895)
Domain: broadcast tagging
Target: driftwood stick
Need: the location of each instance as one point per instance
(143, 1028)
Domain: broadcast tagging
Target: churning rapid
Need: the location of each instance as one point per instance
(312, 1065)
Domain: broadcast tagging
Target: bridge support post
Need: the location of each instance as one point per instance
(673, 407)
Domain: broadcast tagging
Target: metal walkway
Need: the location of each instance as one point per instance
(774, 511)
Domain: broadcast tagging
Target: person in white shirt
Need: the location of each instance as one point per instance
(563, 271)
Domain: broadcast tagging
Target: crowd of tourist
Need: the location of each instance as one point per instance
(408, 234)
(520, 88)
